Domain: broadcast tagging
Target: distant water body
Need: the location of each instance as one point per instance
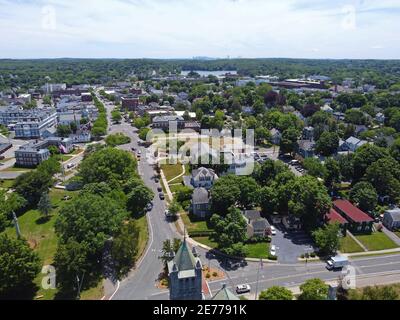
(208, 73)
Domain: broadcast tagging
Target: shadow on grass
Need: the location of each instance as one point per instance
(43, 220)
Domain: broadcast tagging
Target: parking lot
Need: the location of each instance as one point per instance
(290, 245)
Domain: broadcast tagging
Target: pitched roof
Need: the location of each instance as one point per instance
(184, 259)
(334, 216)
(203, 172)
(252, 214)
(394, 213)
(200, 196)
(224, 294)
(351, 211)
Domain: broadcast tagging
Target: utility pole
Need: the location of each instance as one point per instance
(17, 229)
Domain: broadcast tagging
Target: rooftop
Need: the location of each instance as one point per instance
(351, 211)
(334, 216)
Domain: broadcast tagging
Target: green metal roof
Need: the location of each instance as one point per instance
(184, 259)
(224, 294)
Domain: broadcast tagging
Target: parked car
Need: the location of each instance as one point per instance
(243, 288)
(156, 180)
(162, 196)
(273, 231)
(149, 207)
(272, 251)
(159, 189)
(70, 166)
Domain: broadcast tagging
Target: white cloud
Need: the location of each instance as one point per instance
(185, 28)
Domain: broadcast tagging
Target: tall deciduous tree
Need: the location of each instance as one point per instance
(276, 293)
(314, 289)
(364, 195)
(19, 266)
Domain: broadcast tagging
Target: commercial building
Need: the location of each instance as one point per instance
(34, 153)
(358, 221)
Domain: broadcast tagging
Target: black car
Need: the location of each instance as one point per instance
(159, 189)
(162, 196)
(156, 180)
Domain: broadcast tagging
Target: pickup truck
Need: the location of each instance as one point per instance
(338, 262)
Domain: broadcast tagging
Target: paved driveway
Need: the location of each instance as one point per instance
(291, 245)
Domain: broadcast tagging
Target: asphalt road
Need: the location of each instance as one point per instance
(141, 283)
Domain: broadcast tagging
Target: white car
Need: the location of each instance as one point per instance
(272, 251)
(243, 288)
(273, 231)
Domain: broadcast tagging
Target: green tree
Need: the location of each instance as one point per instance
(384, 175)
(375, 293)
(44, 205)
(327, 144)
(107, 165)
(333, 175)
(63, 130)
(314, 167)
(89, 219)
(230, 232)
(395, 150)
(314, 289)
(138, 195)
(289, 140)
(327, 238)
(365, 156)
(308, 200)
(276, 293)
(72, 260)
(125, 248)
(225, 193)
(19, 266)
(364, 195)
(32, 185)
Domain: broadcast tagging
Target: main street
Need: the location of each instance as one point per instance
(141, 283)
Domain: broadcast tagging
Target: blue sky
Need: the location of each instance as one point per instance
(186, 28)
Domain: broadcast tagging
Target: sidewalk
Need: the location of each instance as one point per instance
(167, 189)
(371, 253)
(391, 235)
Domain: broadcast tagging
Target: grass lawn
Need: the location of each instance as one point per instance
(143, 234)
(257, 250)
(348, 245)
(6, 184)
(41, 236)
(376, 241)
(206, 241)
(171, 171)
(194, 225)
(174, 187)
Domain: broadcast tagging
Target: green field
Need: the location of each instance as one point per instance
(376, 241)
(257, 250)
(348, 245)
(195, 225)
(206, 241)
(171, 171)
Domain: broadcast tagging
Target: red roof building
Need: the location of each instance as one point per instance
(334, 216)
(358, 220)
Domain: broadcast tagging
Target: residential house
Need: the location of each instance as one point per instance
(203, 178)
(352, 144)
(276, 136)
(200, 202)
(380, 117)
(308, 133)
(185, 273)
(256, 225)
(391, 219)
(306, 148)
(358, 221)
(327, 108)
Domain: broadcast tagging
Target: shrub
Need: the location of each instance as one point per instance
(208, 276)
(215, 274)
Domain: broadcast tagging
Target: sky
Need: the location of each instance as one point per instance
(339, 29)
